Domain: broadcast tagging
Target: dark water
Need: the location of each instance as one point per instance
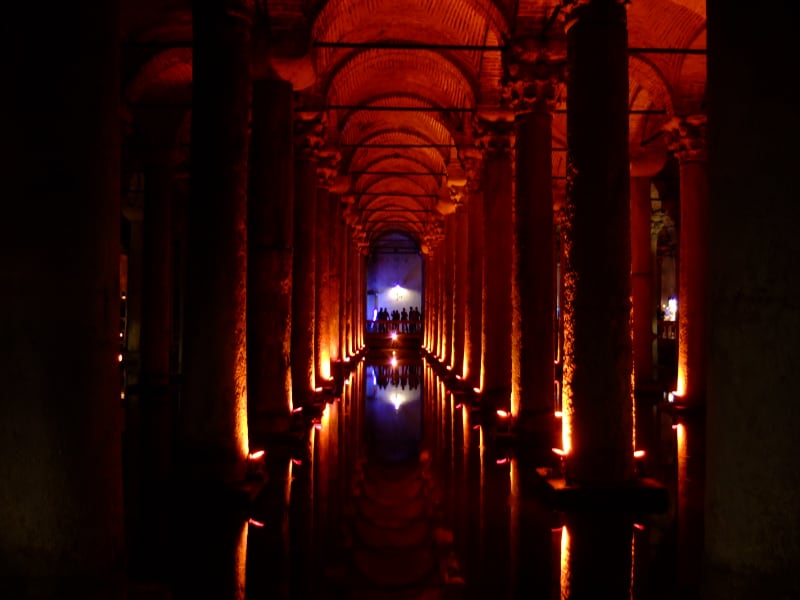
(398, 493)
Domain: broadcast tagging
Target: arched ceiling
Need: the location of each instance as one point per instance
(401, 81)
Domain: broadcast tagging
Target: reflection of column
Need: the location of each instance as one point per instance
(214, 427)
(61, 513)
(496, 358)
(597, 346)
(532, 93)
(687, 140)
(474, 293)
(641, 281)
(303, 268)
(753, 318)
(269, 284)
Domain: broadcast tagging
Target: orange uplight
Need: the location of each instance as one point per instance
(502, 461)
(297, 461)
(477, 390)
(256, 455)
(457, 406)
(638, 526)
(638, 453)
(255, 523)
(558, 414)
(503, 414)
(559, 451)
(297, 410)
(119, 358)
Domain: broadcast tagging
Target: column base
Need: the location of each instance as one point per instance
(637, 496)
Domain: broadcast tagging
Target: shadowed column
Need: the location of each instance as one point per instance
(270, 220)
(474, 294)
(597, 307)
(214, 409)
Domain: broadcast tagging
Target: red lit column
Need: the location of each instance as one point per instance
(335, 282)
(448, 288)
(213, 411)
(309, 139)
(460, 287)
(598, 400)
(61, 513)
(324, 303)
(532, 92)
(270, 221)
(498, 228)
(473, 344)
(686, 137)
(642, 282)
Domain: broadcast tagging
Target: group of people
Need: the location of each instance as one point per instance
(400, 321)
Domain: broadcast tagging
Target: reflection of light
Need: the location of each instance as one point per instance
(396, 400)
(503, 413)
(119, 358)
(394, 335)
(457, 406)
(318, 389)
(256, 455)
(240, 561)
(565, 571)
(558, 414)
(638, 526)
(559, 451)
(297, 410)
(476, 390)
(297, 461)
(502, 461)
(638, 453)
(255, 523)
(394, 361)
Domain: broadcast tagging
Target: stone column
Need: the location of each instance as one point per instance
(335, 258)
(324, 302)
(309, 139)
(598, 419)
(498, 228)
(61, 513)
(270, 221)
(448, 288)
(214, 409)
(642, 282)
(473, 344)
(686, 138)
(460, 289)
(752, 527)
(531, 94)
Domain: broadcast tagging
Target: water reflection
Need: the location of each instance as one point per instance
(403, 488)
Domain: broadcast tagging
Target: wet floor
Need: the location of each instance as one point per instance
(397, 492)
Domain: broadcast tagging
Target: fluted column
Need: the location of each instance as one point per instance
(61, 513)
(269, 267)
(308, 141)
(473, 160)
(531, 94)
(598, 423)
(498, 220)
(214, 411)
(686, 138)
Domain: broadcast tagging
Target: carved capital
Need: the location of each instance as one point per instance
(327, 160)
(309, 134)
(686, 137)
(495, 137)
(458, 193)
(573, 10)
(472, 158)
(533, 76)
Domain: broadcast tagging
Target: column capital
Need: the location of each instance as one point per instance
(573, 10)
(458, 191)
(327, 160)
(532, 77)
(686, 137)
(309, 134)
(472, 159)
(494, 135)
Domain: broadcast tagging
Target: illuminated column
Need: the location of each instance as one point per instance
(269, 260)
(460, 289)
(531, 92)
(642, 282)
(308, 139)
(473, 343)
(598, 424)
(61, 513)
(335, 278)
(753, 462)
(686, 138)
(448, 285)
(214, 409)
(498, 228)
(324, 301)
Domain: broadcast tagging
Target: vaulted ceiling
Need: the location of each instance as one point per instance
(399, 84)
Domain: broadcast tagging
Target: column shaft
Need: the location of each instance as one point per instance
(460, 295)
(642, 282)
(597, 345)
(270, 220)
(214, 410)
(474, 293)
(534, 276)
